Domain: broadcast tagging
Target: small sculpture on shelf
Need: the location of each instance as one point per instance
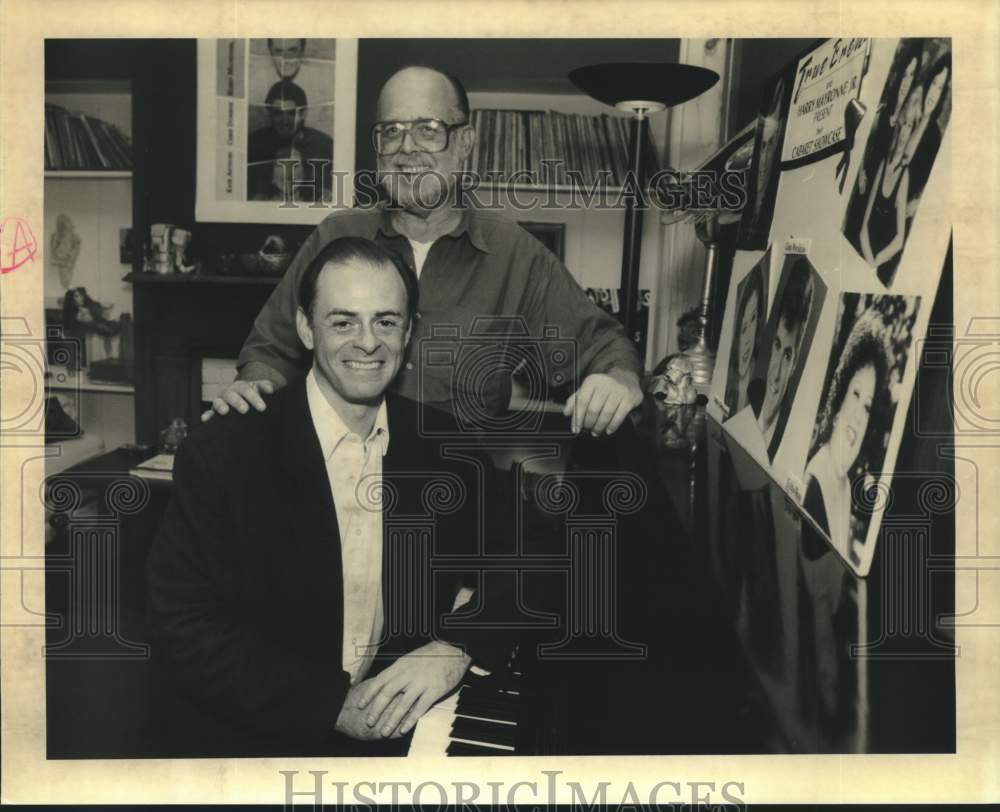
(65, 248)
(172, 436)
(180, 241)
(671, 383)
(83, 316)
(272, 259)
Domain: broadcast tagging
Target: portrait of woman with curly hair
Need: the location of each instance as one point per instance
(856, 412)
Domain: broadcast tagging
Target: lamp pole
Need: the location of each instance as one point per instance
(640, 111)
(700, 355)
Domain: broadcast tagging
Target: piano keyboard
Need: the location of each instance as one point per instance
(480, 718)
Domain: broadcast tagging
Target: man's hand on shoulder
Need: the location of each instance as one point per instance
(395, 699)
(603, 401)
(240, 395)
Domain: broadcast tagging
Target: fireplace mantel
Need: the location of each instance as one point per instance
(179, 320)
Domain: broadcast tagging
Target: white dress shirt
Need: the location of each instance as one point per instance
(420, 252)
(349, 460)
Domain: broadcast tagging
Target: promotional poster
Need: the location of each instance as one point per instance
(866, 212)
(276, 123)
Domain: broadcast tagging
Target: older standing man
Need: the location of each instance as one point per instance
(470, 264)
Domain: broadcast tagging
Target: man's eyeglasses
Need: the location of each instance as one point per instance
(428, 134)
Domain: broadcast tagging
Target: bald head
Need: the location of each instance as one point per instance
(419, 92)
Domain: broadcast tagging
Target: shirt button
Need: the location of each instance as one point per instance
(409, 365)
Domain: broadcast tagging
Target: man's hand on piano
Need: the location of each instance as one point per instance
(352, 720)
(396, 698)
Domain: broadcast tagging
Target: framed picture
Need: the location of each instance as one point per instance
(275, 129)
(551, 235)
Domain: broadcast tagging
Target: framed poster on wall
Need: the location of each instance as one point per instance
(275, 129)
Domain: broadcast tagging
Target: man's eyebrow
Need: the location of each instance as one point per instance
(353, 314)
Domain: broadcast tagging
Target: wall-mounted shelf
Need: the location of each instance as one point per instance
(198, 279)
(62, 379)
(89, 174)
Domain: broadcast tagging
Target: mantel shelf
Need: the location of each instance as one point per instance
(89, 174)
(199, 279)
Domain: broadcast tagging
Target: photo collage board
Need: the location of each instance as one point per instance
(836, 273)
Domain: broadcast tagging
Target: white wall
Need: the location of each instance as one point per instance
(99, 208)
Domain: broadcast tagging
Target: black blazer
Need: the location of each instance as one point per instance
(245, 580)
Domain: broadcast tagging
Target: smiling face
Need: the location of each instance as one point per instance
(851, 422)
(905, 83)
(358, 331)
(748, 332)
(286, 54)
(415, 179)
(779, 370)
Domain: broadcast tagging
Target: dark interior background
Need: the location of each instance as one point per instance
(163, 74)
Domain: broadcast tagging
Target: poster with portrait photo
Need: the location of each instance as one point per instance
(749, 315)
(871, 345)
(909, 123)
(782, 353)
(290, 119)
(276, 129)
(765, 166)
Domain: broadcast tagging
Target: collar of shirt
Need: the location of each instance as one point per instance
(469, 225)
(330, 428)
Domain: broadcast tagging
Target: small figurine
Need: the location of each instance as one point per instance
(83, 316)
(671, 383)
(65, 248)
(180, 240)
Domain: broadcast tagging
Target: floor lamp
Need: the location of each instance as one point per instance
(733, 157)
(641, 89)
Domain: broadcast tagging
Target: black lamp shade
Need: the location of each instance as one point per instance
(668, 83)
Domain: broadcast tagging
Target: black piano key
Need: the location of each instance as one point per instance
(486, 732)
(497, 697)
(463, 749)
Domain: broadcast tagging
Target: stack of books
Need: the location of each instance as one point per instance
(160, 467)
(512, 145)
(81, 142)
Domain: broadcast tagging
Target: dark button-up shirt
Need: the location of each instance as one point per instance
(493, 300)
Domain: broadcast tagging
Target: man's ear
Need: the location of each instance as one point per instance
(304, 329)
(468, 140)
(409, 330)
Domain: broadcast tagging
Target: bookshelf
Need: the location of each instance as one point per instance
(87, 126)
(88, 190)
(593, 237)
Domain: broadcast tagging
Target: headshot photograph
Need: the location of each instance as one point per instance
(290, 91)
(750, 315)
(784, 347)
(871, 345)
(762, 178)
(910, 121)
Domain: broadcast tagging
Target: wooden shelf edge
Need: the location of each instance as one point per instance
(89, 174)
(198, 279)
(62, 380)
